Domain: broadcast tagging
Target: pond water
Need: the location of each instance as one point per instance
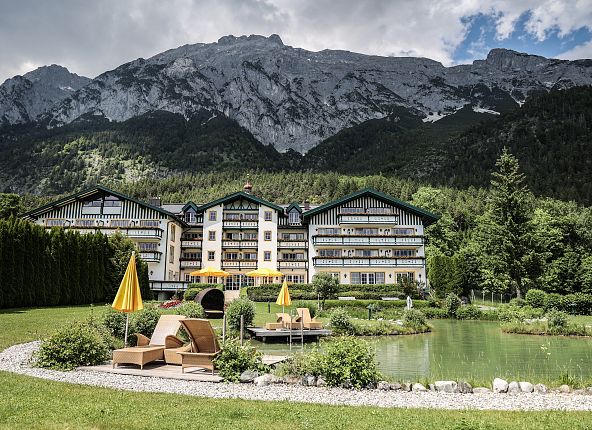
(475, 350)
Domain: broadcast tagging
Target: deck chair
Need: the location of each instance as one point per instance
(307, 321)
(290, 323)
(152, 348)
(278, 324)
(204, 344)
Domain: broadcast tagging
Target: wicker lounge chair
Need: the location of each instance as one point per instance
(278, 324)
(290, 323)
(204, 344)
(307, 321)
(153, 348)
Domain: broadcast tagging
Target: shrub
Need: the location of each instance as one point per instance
(557, 320)
(434, 313)
(195, 288)
(468, 312)
(325, 285)
(348, 360)
(312, 307)
(238, 307)
(114, 322)
(518, 302)
(536, 298)
(340, 322)
(302, 364)
(414, 319)
(235, 358)
(553, 301)
(509, 313)
(80, 344)
(190, 294)
(191, 310)
(451, 304)
(144, 321)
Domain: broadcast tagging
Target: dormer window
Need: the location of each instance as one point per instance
(294, 217)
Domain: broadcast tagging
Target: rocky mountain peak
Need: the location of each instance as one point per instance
(508, 60)
(230, 39)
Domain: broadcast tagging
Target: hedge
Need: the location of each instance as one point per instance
(384, 304)
(269, 292)
(577, 303)
(195, 288)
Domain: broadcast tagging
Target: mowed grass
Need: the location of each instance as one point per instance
(34, 403)
(26, 325)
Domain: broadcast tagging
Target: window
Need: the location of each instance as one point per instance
(211, 235)
(55, 222)
(295, 279)
(171, 254)
(192, 255)
(403, 231)
(173, 231)
(85, 222)
(385, 211)
(112, 202)
(192, 279)
(267, 215)
(330, 253)
(267, 255)
(404, 253)
(249, 236)
(212, 216)
(292, 236)
(405, 277)
(292, 256)
(294, 217)
(211, 255)
(232, 217)
(329, 231)
(250, 217)
(149, 223)
(366, 278)
(267, 235)
(190, 218)
(352, 210)
(148, 246)
(119, 223)
(366, 252)
(231, 256)
(366, 231)
(250, 256)
(191, 236)
(93, 203)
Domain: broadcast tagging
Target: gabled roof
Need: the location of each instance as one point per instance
(240, 195)
(97, 189)
(191, 205)
(294, 205)
(426, 216)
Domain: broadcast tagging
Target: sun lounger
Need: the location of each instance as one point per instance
(153, 348)
(204, 345)
(307, 321)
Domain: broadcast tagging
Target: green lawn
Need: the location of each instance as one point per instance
(34, 403)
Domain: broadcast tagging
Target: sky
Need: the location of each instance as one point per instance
(92, 36)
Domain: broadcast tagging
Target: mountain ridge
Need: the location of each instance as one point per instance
(292, 98)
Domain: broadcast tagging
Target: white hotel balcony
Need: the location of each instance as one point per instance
(291, 244)
(368, 240)
(239, 264)
(352, 218)
(292, 264)
(367, 262)
(136, 233)
(239, 224)
(190, 243)
(150, 256)
(190, 264)
(239, 244)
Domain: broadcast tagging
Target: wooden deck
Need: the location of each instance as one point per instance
(167, 371)
(264, 334)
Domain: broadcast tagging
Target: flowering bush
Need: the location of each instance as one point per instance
(170, 304)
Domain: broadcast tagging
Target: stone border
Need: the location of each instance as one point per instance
(16, 359)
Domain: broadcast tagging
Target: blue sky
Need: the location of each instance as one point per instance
(482, 36)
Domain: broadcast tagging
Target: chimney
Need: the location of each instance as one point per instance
(247, 188)
(155, 201)
(306, 205)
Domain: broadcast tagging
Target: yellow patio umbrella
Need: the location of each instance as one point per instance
(264, 273)
(128, 298)
(284, 296)
(210, 271)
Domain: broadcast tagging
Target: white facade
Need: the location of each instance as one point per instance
(366, 237)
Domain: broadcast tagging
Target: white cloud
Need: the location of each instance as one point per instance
(581, 51)
(91, 37)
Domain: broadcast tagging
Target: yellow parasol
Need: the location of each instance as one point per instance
(128, 298)
(210, 271)
(284, 297)
(264, 273)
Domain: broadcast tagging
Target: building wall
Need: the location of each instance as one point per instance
(212, 245)
(267, 245)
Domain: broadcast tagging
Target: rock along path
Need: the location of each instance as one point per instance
(17, 358)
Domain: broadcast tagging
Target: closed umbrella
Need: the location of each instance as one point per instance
(284, 297)
(129, 298)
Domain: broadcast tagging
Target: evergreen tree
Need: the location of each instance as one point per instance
(504, 231)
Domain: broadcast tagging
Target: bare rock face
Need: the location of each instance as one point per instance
(24, 98)
(292, 98)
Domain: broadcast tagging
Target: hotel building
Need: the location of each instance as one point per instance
(363, 238)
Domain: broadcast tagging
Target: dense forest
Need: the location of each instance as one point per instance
(550, 135)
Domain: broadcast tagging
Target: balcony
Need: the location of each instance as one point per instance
(368, 262)
(239, 264)
(239, 244)
(150, 256)
(346, 218)
(292, 244)
(190, 264)
(368, 240)
(240, 224)
(292, 264)
(190, 243)
(138, 233)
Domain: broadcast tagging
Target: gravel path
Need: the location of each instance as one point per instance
(16, 359)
